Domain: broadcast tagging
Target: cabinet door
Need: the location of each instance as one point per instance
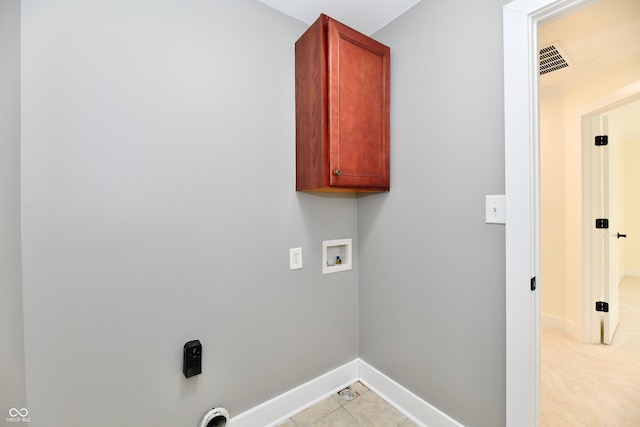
(358, 109)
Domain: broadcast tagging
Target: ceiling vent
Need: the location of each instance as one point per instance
(552, 58)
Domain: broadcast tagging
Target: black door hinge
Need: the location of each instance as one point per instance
(602, 306)
(602, 140)
(533, 283)
(602, 223)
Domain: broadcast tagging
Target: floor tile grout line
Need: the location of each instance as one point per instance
(362, 392)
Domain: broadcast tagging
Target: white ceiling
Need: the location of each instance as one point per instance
(593, 38)
(366, 16)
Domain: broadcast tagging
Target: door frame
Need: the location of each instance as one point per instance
(593, 110)
(521, 19)
(592, 255)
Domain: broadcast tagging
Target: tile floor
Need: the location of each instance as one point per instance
(366, 410)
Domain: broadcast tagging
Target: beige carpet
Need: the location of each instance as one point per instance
(591, 385)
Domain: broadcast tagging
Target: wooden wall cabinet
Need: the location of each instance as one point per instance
(342, 110)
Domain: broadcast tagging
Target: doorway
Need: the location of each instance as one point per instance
(568, 297)
(585, 383)
(521, 20)
(569, 95)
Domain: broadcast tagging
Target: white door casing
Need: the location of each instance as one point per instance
(593, 274)
(593, 244)
(602, 266)
(521, 19)
(610, 248)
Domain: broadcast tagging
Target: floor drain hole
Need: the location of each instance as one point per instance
(347, 394)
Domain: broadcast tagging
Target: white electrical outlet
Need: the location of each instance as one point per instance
(295, 258)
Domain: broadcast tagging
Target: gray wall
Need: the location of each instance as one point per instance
(12, 379)
(159, 207)
(432, 281)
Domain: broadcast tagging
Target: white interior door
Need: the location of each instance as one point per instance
(609, 202)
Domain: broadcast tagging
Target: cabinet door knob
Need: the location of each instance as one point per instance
(337, 172)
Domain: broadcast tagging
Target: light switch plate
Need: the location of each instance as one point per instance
(495, 209)
(295, 258)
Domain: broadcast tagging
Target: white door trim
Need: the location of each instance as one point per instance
(582, 120)
(592, 261)
(521, 19)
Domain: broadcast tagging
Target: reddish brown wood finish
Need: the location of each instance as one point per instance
(342, 110)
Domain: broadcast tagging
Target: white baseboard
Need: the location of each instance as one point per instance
(635, 272)
(418, 410)
(561, 324)
(281, 407)
(553, 322)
